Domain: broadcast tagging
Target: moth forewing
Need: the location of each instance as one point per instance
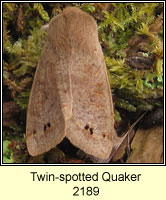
(91, 126)
(71, 95)
(50, 99)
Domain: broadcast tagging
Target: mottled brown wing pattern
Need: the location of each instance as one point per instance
(50, 100)
(71, 94)
(91, 126)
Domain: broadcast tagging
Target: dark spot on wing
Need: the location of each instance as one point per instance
(86, 127)
(45, 127)
(91, 131)
(48, 124)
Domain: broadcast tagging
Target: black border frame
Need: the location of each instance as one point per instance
(97, 164)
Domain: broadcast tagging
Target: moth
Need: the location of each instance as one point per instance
(70, 95)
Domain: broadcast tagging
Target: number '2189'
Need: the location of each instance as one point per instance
(88, 191)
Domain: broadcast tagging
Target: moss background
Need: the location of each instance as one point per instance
(136, 81)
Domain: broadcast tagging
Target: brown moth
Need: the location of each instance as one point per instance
(70, 94)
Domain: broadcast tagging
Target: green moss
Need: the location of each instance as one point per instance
(42, 12)
(7, 153)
